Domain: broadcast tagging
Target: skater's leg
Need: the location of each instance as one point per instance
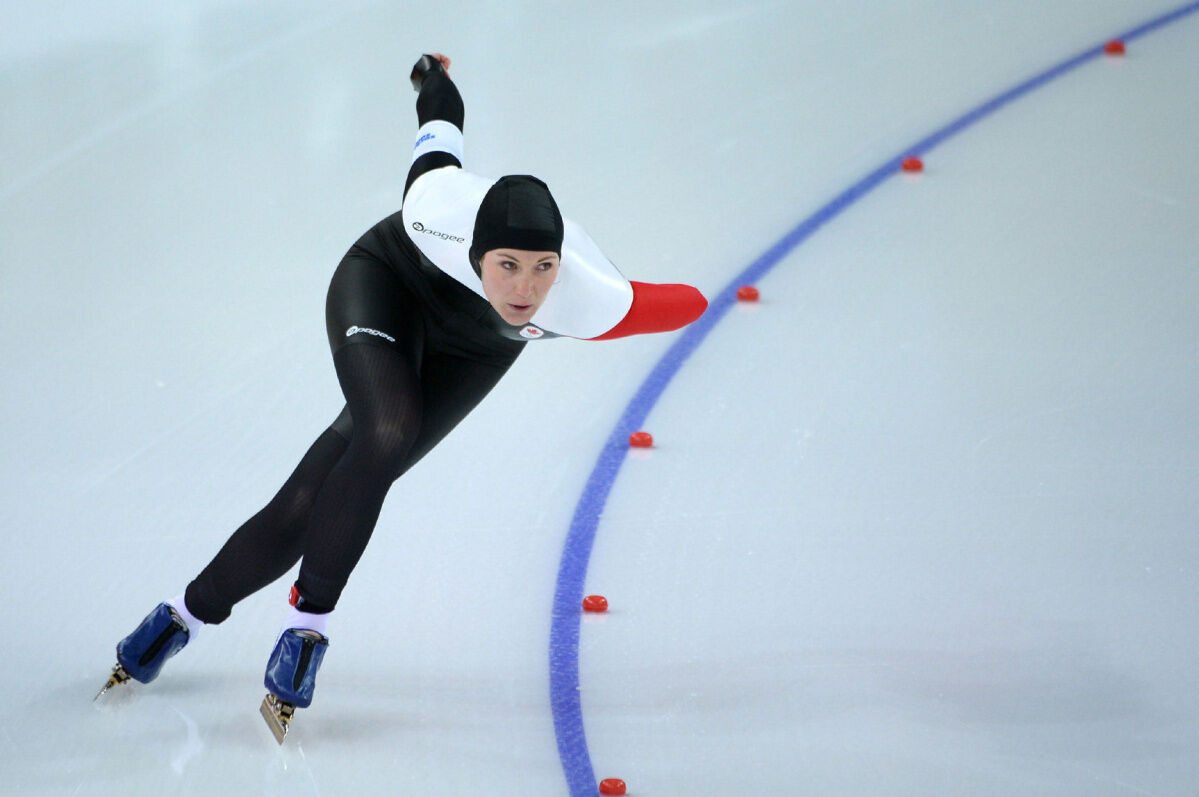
(382, 443)
(262, 550)
(268, 544)
(400, 424)
(452, 387)
(383, 392)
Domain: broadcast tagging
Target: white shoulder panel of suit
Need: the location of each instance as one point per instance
(590, 296)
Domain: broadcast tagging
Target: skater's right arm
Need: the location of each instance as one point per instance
(440, 113)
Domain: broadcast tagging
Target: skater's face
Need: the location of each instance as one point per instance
(516, 281)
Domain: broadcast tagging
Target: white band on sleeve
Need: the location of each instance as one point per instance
(438, 136)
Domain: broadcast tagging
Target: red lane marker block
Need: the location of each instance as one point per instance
(1114, 47)
(641, 440)
(612, 786)
(595, 603)
(747, 293)
(912, 164)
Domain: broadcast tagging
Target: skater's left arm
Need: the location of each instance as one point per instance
(440, 114)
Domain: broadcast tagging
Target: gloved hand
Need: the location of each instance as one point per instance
(435, 62)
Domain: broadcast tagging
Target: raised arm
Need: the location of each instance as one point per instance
(440, 114)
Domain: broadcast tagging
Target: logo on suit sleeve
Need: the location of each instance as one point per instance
(531, 332)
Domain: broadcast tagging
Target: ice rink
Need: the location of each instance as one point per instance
(921, 521)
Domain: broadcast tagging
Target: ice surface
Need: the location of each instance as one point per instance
(922, 521)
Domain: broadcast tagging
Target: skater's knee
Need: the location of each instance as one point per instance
(383, 444)
(343, 426)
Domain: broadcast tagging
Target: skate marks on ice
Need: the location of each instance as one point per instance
(120, 690)
(131, 736)
(101, 131)
(192, 745)
(168, 740)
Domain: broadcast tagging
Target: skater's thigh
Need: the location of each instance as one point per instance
(367, 303)
(376, 329)
(451, 387)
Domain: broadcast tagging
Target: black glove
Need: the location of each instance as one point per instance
(424, 66)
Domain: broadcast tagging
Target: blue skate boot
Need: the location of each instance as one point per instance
(140, 655)
(291, 677)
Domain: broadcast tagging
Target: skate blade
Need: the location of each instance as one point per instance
(278, 714)
(118, 677)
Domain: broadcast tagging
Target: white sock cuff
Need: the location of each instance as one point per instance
(299, 619)
(193, 625)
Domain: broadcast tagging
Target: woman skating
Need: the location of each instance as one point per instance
(424, 314)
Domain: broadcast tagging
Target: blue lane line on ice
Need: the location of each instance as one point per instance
(572, 570)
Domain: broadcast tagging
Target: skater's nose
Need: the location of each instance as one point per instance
(524, 287)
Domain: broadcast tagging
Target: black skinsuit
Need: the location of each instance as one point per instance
(422, 352)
